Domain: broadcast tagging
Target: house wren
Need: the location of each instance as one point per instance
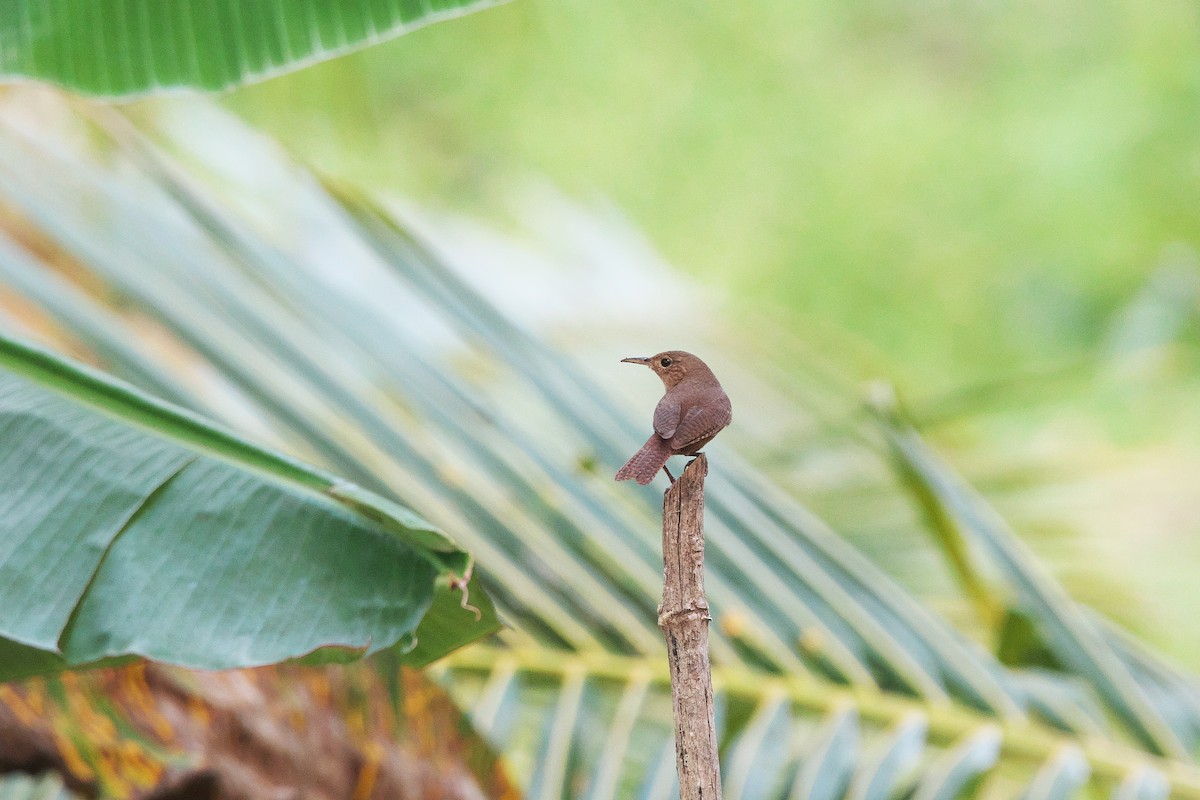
(694, 409)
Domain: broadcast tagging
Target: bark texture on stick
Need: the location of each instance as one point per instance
(683, 617)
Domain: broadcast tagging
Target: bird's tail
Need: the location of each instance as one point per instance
(646, 462)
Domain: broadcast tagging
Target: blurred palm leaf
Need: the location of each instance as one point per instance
(1144, 692)
(135, 47)
(609, 720)
(316, 319)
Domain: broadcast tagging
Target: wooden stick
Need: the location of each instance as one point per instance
(683, 618)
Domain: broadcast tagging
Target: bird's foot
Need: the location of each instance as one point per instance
(669, 475)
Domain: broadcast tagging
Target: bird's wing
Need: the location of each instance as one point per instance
(700, 422)
(666, 416)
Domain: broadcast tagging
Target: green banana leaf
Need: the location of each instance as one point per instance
(129, 527)
(121, 48)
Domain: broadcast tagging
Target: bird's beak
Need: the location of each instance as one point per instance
(645, 362)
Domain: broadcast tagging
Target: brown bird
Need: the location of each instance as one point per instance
(693, 411)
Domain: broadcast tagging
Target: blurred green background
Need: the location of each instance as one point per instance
(973, 190)
(992, 205)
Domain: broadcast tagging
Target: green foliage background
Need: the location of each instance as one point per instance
(971, 189)
(992, 206)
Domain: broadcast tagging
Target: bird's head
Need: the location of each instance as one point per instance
(672, 366)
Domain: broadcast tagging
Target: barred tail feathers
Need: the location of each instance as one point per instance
(646, 462)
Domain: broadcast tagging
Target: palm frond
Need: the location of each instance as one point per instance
(797, 737)
(1155, 716)
(334, 326)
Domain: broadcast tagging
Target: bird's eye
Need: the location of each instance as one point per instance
(666, 362)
